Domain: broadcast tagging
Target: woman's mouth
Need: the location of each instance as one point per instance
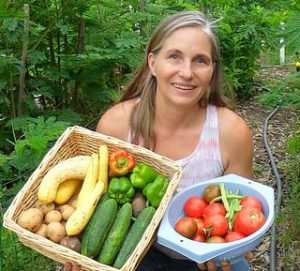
(183, 86)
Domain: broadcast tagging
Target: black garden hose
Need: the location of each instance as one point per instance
(279, 192)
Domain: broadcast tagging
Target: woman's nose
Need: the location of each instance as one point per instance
(186, 70)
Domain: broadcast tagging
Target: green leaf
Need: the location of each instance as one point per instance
(37, 143)
(294, 145)
(36, 57)
(10, 24)
(68, 115)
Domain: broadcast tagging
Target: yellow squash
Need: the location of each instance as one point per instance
(66, 190)
(90, 180)
(103, 165)
(81, 216)
(71, 168)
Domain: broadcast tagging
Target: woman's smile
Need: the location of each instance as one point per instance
(183, 86)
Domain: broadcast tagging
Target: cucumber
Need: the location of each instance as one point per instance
(104, 198)
(98, 227)
(134, 236)
(116, 235)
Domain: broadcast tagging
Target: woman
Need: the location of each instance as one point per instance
(175, 107)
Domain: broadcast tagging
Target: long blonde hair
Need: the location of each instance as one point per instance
(143, 85)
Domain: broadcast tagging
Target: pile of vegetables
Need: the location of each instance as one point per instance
(220, 216)
(98, 205)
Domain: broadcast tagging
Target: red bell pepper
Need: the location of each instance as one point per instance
(120, 163)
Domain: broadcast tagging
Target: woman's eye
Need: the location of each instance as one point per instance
(201, 61)
(173, 56)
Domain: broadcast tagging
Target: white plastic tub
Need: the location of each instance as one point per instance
(202, 252)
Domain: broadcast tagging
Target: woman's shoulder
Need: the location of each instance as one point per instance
(231, 121)
(233, 129)
(116, 120)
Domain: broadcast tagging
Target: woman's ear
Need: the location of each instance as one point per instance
(151, 63)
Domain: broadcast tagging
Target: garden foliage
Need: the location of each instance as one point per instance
(65, 61)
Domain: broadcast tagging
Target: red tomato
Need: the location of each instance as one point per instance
(216, 225)
(201, 226)
(186, 226)
(199, 238)
(194, 206)
(233, 236)
(248, 220)
(214, 209)
(215, 239)
(251, 201)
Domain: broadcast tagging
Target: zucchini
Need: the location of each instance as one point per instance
(98, 227)
(116, 235)
(134, 236)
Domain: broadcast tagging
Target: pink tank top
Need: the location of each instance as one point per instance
(205, 162)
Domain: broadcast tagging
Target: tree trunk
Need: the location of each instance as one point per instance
(80, 44)
(66, 44)
(51, 49)
(59, 84)
(23, 61)
(58, 50)
(80, 50)
(142, 5)
(12, 95)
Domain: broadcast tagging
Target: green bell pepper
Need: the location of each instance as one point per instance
(121, 189)
(155, 191)
(142, 174)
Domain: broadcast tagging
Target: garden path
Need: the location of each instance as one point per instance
(279, 129)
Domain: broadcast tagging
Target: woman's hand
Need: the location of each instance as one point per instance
(225, 265)
(70, 267)
(210, 266)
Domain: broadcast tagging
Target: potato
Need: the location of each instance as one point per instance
(138, 204)
(73, 200)
(31, 219)
(56, 231)
(44, 207)
(53, 216)
(71, 242)
(66, 211)
(42, 231)
(63, 222)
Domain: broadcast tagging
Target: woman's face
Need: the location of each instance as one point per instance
(183, 67)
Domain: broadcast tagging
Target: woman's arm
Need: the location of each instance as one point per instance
(236, 144)
(116, 120)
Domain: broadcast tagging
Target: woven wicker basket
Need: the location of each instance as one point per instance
(80, 141)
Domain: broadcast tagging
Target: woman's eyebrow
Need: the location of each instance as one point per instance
(203, 54)
(174, 51)
(206, 56)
